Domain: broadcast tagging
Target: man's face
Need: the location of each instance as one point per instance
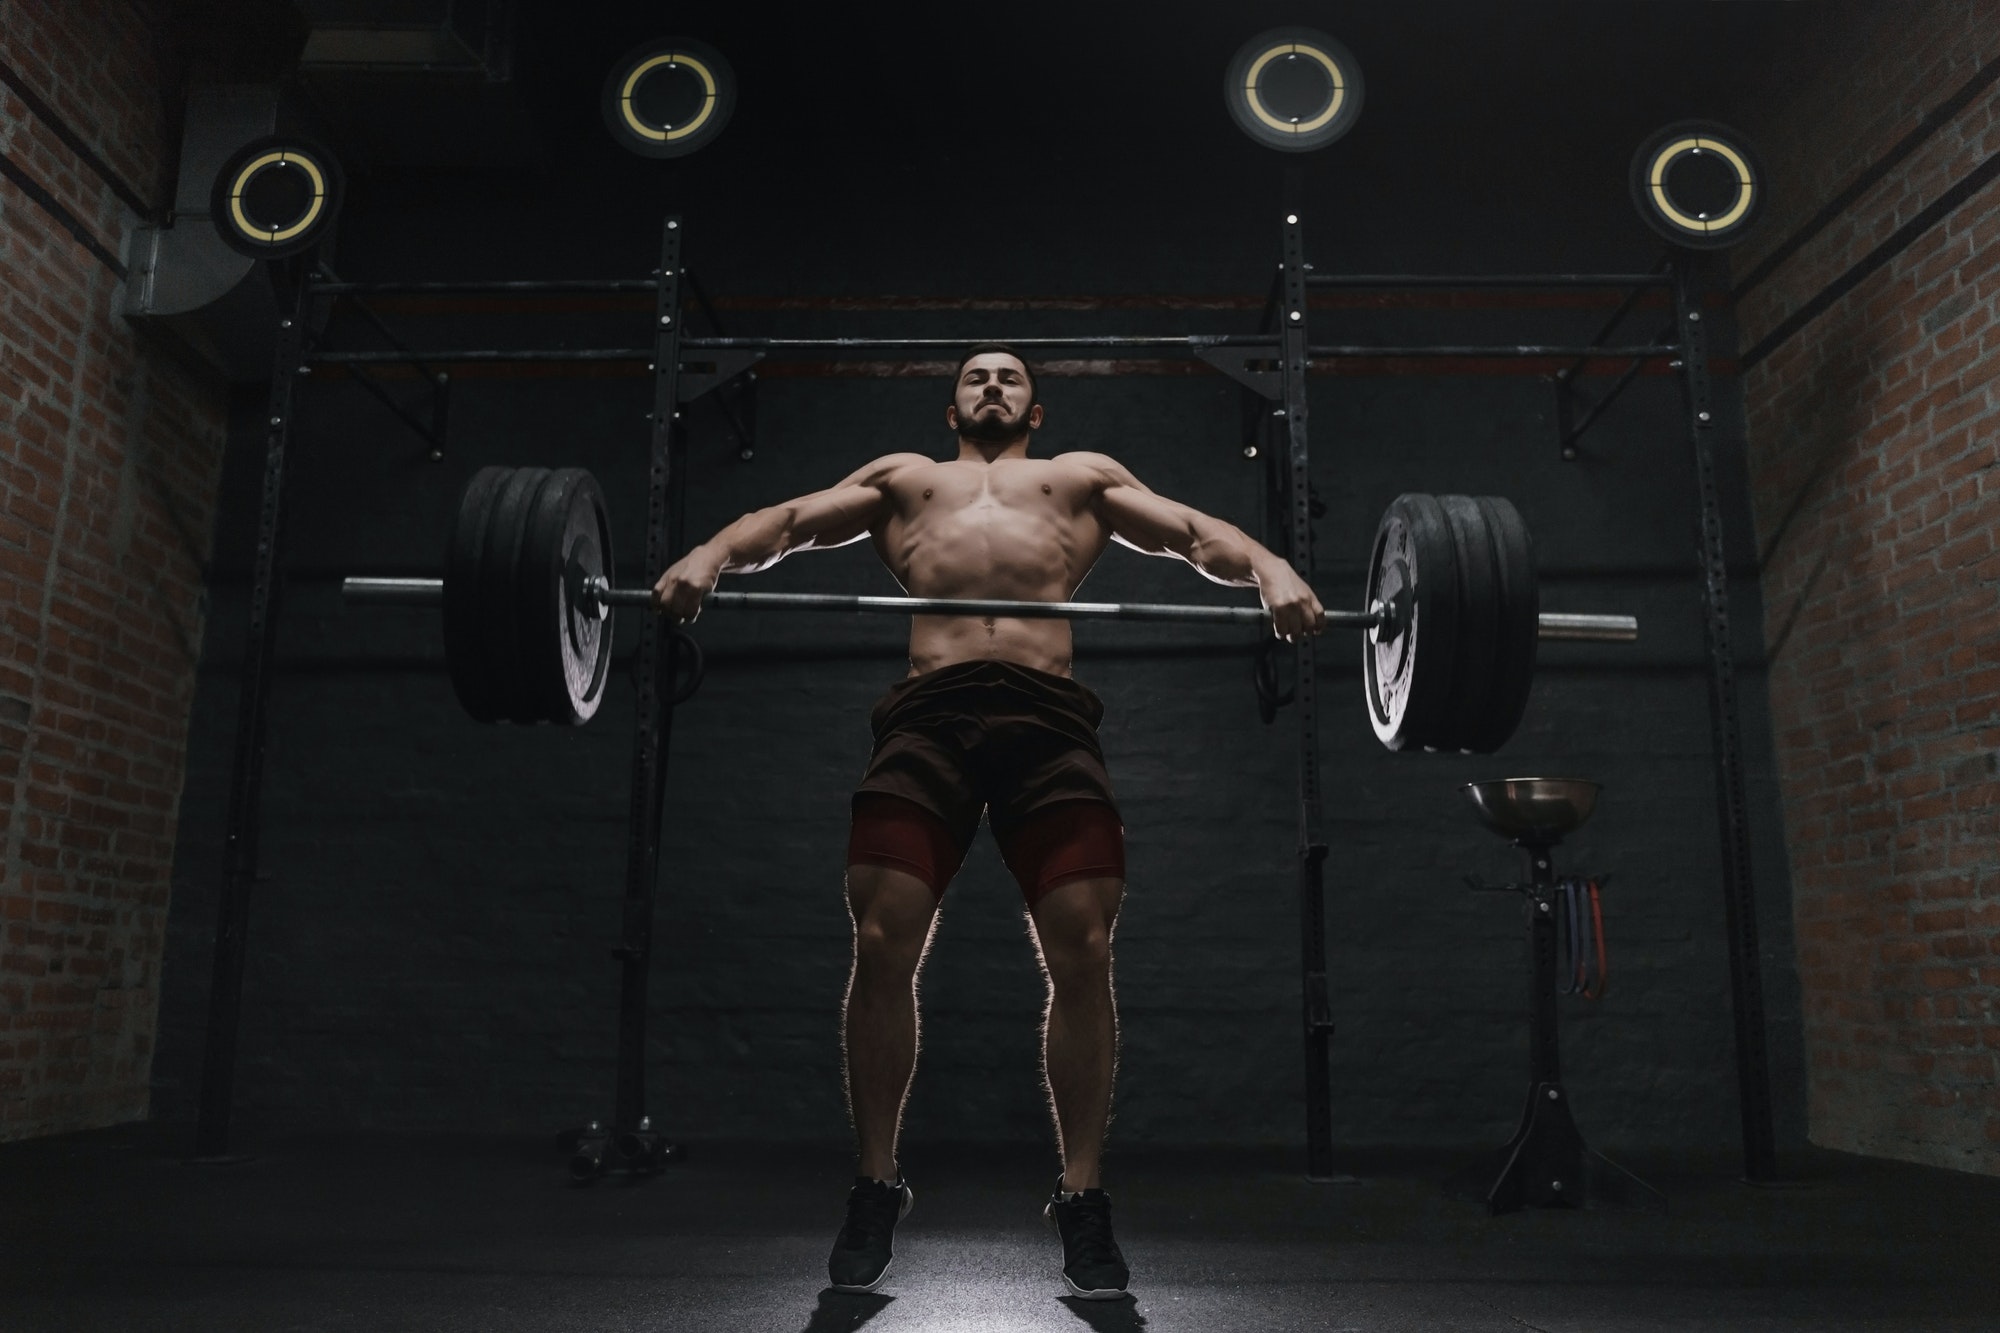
(992, 401)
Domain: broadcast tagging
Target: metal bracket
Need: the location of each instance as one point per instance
(1235, 362)
(722, 366)
(439, 381)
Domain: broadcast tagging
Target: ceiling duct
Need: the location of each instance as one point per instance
(432, 37)
(418, 87)
(186, 281)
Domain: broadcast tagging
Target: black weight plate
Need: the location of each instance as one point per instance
(588, 628)
(1386, 659)
(472, 672)
(566, 644)
(1520, 603)
(1408, 678)
(538, 597)
(1478, 621)
(503, 638)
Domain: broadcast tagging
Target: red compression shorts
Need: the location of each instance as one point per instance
(1053, 845)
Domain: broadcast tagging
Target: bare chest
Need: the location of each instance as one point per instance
(1033, 489)
(1024, 524)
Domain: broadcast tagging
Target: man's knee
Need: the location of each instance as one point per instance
(1073, 922)
(892, 911)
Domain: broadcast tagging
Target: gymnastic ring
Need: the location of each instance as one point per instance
(1264, 674)
(686, 690)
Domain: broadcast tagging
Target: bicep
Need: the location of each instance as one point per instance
(843, 513)
(1148, 523)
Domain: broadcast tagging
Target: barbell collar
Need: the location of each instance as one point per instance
(429, 592)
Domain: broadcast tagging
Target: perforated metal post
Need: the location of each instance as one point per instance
(642, 864)
(1739, 899)
(246, 782)
(1316, 1011)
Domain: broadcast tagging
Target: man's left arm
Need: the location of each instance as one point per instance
(1152, 524)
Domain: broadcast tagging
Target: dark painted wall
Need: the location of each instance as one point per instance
(431, 946)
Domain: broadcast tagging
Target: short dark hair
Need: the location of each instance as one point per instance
(981, 349)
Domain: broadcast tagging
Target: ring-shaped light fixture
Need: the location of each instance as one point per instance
(1246, 92)
(1678, 219)
(1292, 124)
(670, 60)
(649, 136)
(264, 237)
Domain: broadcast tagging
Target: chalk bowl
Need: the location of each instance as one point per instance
(1539, 809)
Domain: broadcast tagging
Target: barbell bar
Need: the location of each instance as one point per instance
(1555, 625)
(1452, 619)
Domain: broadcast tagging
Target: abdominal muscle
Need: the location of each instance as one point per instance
(1016, 530)
(942, 641)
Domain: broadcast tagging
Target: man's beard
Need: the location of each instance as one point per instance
(994, 429)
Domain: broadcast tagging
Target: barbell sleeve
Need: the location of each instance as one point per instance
(411, 592)
(1554, 625)
(1588, 628)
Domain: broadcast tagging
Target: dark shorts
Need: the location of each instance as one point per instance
(1016, 744)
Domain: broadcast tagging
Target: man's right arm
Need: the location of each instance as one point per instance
(837, 516)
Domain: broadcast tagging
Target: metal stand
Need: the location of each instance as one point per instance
(1546, 1163)
(246, 781)
(1316, 1009)
(628, 1137)
(630, 1142)
(1739, 895)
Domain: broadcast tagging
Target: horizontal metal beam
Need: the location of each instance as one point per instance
(1336, 353)
(334, 287)
(430, 592)
(1192, 345)
(476, 354)
(329, 287)
(1488, 280)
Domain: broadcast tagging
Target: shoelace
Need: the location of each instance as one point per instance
(870, 1213)
(1090, 1222)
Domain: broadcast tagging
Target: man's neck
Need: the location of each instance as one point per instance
(986, 451)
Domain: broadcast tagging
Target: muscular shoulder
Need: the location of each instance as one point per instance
(881, 471)
(1103, 470)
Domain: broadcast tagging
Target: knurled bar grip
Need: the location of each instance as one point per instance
(1554, 625)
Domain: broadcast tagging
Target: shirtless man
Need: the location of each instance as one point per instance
(989, 720)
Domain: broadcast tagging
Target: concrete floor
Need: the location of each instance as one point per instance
(111, 1230)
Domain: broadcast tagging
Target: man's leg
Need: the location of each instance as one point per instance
(893, 913)
(1073, 923)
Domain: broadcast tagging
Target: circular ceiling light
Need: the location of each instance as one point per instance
(1697, 183)
(275, 196)
(1294, 89)
(668, 98)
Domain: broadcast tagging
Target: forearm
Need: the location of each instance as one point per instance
(1230, 556)
(752, 543)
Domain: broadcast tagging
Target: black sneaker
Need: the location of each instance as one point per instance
(860, 1258)
(1093, 1268)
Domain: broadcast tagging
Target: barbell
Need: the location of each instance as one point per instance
(1451, 621)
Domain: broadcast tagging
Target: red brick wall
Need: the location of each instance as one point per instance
(111, 452)
(1874, 438)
